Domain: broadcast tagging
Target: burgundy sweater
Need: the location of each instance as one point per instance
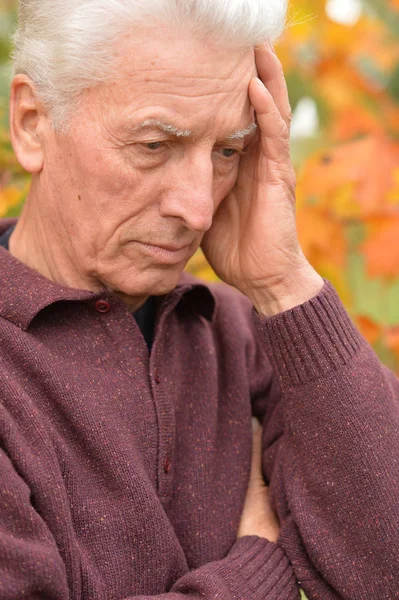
(123, 473)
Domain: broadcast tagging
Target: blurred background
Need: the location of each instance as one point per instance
(341, 59)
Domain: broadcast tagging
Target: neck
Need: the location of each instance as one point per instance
(37, 243)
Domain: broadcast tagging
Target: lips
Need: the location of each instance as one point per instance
(169, 248)
(172, 254)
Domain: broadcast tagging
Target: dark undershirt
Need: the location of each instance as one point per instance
(145, 316)
(5, 237)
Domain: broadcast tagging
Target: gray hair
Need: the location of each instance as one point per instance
(65, 46)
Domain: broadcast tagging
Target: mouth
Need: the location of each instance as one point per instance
(168, 254)
(171, 248)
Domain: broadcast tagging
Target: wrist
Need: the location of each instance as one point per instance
(293, 291)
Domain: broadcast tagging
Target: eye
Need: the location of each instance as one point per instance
(154, 145)
(229, 152)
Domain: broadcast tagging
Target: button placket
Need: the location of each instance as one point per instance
(166, 422)
(163, 396)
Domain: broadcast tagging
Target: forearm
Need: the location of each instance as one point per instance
(338, 459)
(30, 562)
(254, 569)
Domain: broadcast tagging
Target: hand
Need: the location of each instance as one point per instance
(253, 243)
(258, 517)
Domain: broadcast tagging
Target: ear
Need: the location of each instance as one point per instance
(26, 116)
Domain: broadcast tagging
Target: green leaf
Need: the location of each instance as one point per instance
(303, 597)
(375, 298)
(369, 70)
(15, 211)
(386, 356)
(355, 233)
(298, 87)
(383, 11)
(303, 148)
(393, 84)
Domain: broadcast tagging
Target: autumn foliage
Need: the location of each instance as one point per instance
(347, 163)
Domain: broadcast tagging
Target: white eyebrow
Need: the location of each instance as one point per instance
(169, 129)
(186, 133)
(240, 135)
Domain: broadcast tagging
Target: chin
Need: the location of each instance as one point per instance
(156, 282)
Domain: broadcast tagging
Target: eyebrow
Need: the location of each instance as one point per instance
(243, 133)
(186, 133)
(166, 128)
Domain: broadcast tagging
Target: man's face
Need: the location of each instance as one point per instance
(148, 160)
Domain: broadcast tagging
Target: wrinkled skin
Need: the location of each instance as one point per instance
(102, 191)
(117, 205)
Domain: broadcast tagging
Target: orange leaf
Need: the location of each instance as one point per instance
(369, 329)
(381, 249)
(321, 237)
(392, 340)
(368, 165)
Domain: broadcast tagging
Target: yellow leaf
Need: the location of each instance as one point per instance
(199, 267)
(9, 197)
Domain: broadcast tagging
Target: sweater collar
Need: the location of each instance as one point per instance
(24, 293)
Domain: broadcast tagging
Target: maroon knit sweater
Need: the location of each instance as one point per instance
(123, 474)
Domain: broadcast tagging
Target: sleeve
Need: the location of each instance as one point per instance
(331, 451)
(31, 565)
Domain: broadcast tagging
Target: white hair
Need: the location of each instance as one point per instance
(65, 46)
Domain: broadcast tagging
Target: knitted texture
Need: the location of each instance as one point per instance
(124, 473)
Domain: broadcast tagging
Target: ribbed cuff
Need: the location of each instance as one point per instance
(307, 341)
(256, 568)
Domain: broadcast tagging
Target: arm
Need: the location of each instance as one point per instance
(31, 565)
(334, 445)
(334, 469)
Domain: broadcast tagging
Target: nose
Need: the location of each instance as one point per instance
(189, 194)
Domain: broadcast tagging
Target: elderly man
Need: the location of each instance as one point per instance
(127, 388)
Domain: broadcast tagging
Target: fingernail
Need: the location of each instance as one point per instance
(259, 82)
(255, 424)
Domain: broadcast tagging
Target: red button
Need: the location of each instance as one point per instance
(102, 306)
(167, 465)
(157, 378)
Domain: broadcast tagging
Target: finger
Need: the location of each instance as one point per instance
(271, 72)
(273, 130)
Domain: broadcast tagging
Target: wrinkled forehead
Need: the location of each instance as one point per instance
(181, 75)
(177, 50)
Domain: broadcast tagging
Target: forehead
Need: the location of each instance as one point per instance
(193, 81)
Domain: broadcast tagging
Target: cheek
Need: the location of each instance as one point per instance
(223, 185)
(109, 187)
